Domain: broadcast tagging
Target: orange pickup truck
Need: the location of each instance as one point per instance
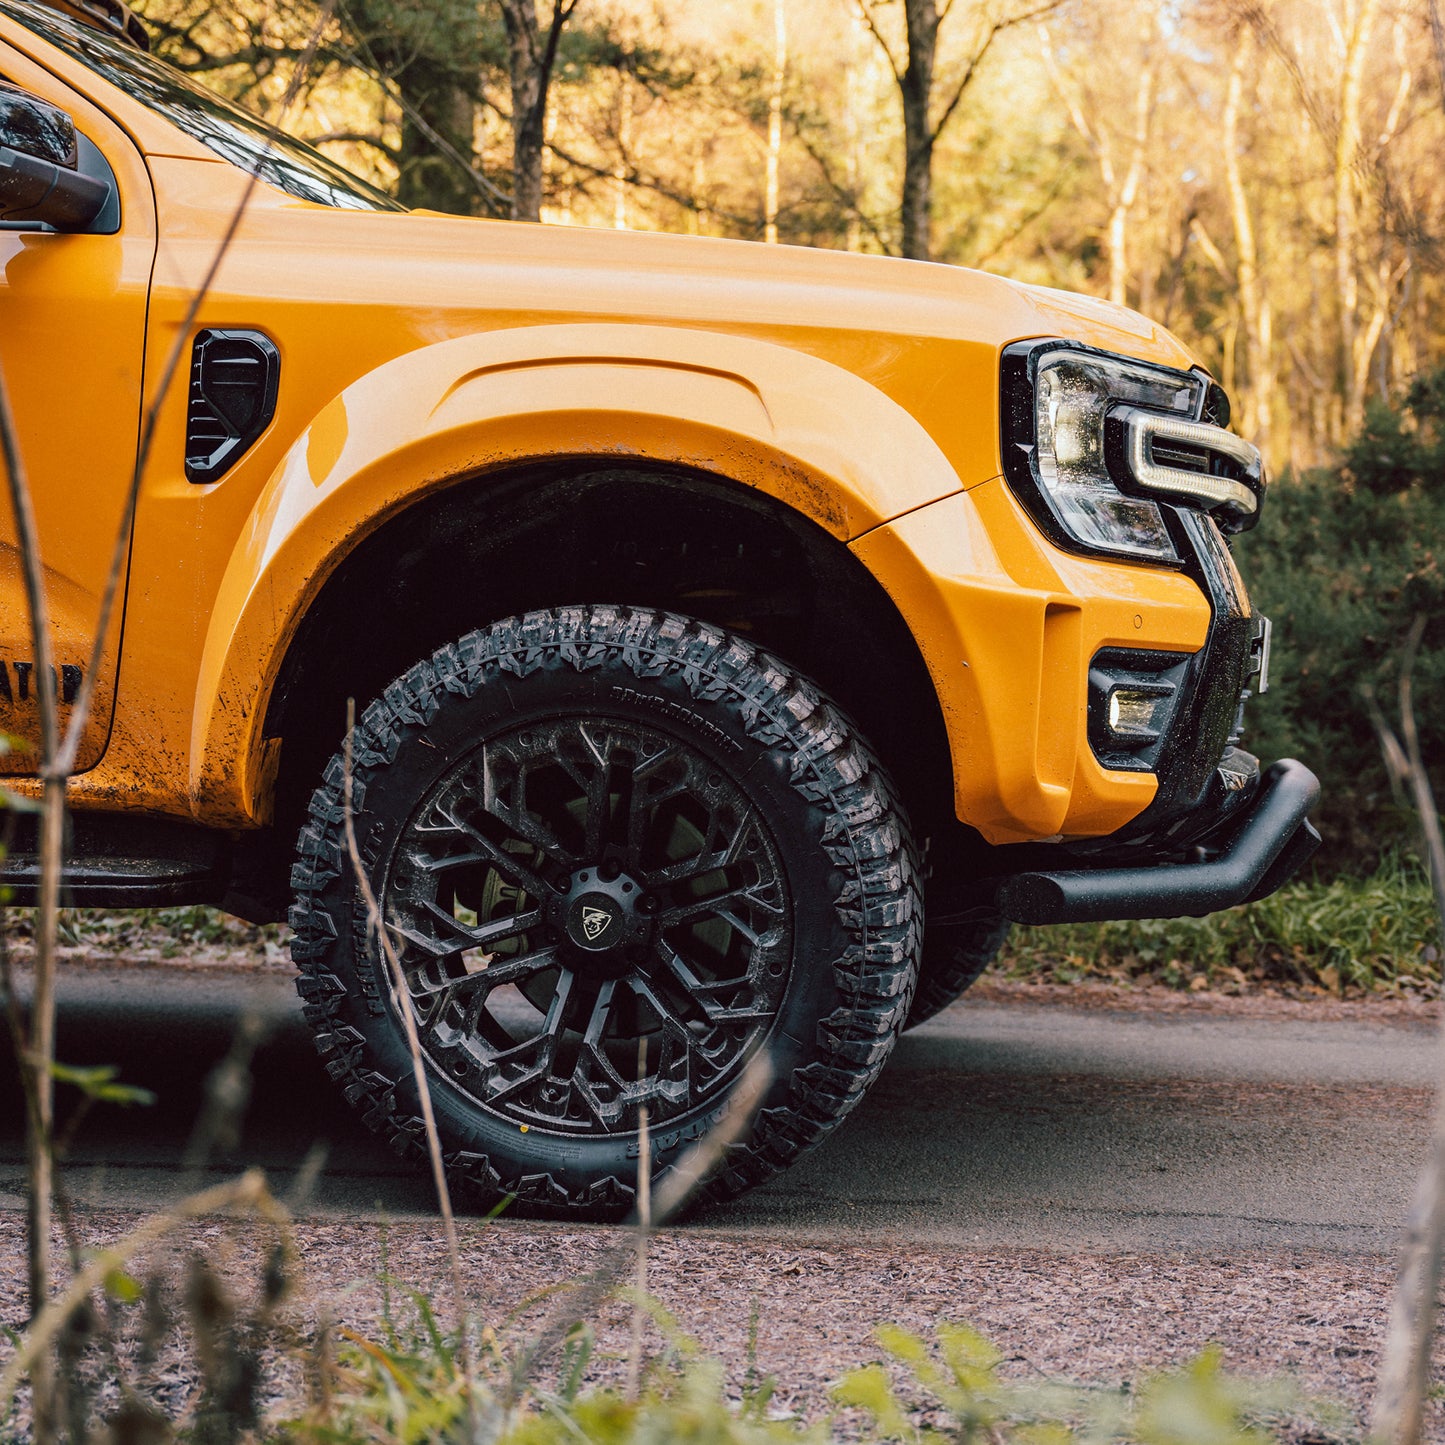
(714, 614)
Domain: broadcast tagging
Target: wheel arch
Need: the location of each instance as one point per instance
(467, 418)
(711, 549)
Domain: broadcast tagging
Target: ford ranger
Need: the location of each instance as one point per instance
(714, 615)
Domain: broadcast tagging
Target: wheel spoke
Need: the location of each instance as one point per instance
(599, 796)
(648, 792)
(719, 906)
(543, 1045)
(524, 822)
(700, 991)
(514, 869)
(465, 936)
(722, 849)
(597, 1020)
(698, 866)
(487, 977)
(671, 1075)
(607, 1112)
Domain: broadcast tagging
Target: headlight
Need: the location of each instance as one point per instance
(1091, 440)
(1073, 391)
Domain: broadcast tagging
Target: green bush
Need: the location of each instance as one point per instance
(1344, 562)
(1345, 935)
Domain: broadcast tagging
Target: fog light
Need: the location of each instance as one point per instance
(1136, 714)
(1134, 697)
(1139, 714)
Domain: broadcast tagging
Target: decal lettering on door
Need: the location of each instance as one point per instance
(18, 682)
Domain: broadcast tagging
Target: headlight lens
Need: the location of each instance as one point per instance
(1073, 391)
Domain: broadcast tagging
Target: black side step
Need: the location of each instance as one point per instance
(1273, 842)
(99, 882)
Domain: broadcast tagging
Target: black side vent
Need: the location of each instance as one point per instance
(234, 375)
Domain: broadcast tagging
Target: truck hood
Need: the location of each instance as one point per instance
(738, 281)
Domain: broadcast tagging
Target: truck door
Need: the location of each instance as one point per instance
(72, 341)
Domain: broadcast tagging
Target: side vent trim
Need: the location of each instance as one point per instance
(234, 378)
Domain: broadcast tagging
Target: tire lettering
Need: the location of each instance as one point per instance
(688, 1134)
(677, 712)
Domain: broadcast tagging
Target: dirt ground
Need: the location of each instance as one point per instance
(1315, 1319)
(803, 1311)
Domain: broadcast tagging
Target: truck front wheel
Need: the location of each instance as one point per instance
(619, 853)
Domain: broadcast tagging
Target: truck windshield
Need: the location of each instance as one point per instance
(234, 134)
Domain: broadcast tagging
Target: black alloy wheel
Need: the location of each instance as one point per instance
(619, 853)
(594, 919)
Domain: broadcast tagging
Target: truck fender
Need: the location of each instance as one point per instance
(803, 430)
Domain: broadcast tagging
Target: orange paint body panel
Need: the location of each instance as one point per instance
(421, 352)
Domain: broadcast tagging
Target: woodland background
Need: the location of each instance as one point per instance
(1262, 176)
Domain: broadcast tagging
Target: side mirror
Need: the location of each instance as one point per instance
(41, 180)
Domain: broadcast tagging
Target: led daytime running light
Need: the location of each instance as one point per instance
(1142, 429)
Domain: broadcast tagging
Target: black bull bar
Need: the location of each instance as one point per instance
(1271, 844)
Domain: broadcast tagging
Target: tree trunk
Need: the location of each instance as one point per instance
(853, 139)
(1347, 147)
(620, 219)
(1254, 308)
(434, 61)
(1124, 197)
(439, 110)
(529, 107)
(916, 86)
(775, 122)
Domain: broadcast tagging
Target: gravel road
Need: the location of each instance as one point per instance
(1103, 1191)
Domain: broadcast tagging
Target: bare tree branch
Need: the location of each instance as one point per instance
(1397, 1418)
(629, 175)
(1437, 36)
(865, 9)
(844, 193)
(363, 58)
(977, 58)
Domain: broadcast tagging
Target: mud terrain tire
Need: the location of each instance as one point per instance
(571, 777)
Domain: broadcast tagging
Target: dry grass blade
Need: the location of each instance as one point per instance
(32, 572)
(58, 752)
(644, 1225)
(36, 1046)
(1405, 1360)
(247, 1192)
(665, 1197)
(401, 994)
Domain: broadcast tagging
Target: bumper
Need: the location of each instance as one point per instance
(1263, 850)
(1008, 626)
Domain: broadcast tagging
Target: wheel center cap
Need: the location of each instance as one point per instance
(596, 923)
